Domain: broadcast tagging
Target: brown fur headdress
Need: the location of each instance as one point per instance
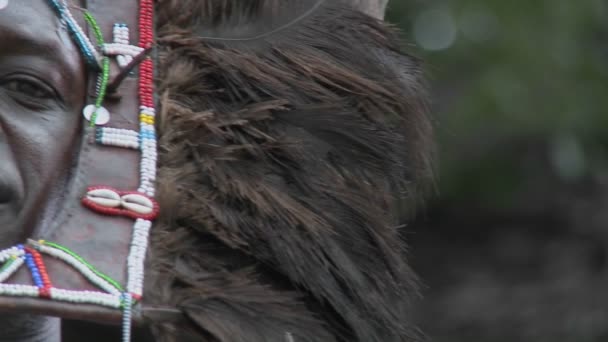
(290, 133)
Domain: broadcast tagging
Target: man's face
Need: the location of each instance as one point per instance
(42, 90)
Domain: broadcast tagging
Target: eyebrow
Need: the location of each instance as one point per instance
(24, 42)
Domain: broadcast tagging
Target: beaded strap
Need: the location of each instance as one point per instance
(102, 80)
(141, 229)
(117, 137)
(31, 255)
(87, 48)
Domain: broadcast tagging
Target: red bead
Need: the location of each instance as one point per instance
(44, 292)
(44, 276)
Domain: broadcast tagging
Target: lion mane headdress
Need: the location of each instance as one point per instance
(267, 149)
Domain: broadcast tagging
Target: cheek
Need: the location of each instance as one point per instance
(43, 147)
(55, 144)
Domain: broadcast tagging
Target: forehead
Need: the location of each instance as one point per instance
(32, 20)
(31, 27)
(30, 17)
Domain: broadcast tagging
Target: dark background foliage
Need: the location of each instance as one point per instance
(513, 247)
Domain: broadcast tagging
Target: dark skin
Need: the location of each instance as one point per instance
(42, 93)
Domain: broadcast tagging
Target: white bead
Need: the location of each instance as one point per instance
(122, 61)
(120, 131)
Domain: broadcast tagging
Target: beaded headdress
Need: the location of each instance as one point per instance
(110, 205)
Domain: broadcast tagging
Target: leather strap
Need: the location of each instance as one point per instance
(103, 241)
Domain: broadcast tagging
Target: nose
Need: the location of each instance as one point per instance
(4, 116)
(7, 176)
(8, 169)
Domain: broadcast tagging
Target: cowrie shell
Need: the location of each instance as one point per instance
(138, 203)
(105, 197)
(103, 116)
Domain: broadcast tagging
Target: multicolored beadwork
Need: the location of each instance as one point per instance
(34, 262)
(138, 205)
(31, 255)
(92, 57)
(94, 276)
(99, 115)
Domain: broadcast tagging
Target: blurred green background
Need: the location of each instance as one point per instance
(513, 247)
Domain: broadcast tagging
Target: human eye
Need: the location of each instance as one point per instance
(28, 86)
(29, 91)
